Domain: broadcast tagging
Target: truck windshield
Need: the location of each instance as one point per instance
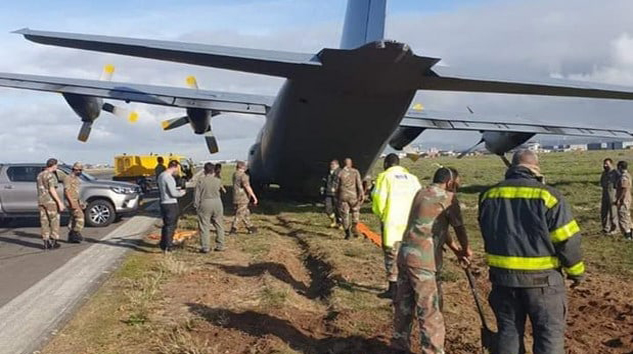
(88, 177)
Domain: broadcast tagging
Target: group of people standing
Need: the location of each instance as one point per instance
(531, 243)
(207, 201)
(50, 204)
(616, 198)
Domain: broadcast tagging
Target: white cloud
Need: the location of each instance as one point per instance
(584, 40)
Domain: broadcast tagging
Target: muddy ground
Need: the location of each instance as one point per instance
(299, 287)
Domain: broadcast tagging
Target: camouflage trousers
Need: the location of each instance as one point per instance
(49, 221)
(347, 207)
(417, 295)
(242, 213)
(391, 261)
(624, 217)
(77, 220)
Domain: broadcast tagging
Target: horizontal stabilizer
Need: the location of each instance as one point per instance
(478, 122)
(257, 61)
(448, 79)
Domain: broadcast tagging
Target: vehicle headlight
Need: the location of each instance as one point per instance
(123, 190)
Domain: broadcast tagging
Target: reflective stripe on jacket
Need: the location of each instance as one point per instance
(529, 232)
(391, 201)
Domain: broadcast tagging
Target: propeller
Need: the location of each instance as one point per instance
(84, 132)
(89, 108)
(117, 111)
(199, 119)
(470, 149)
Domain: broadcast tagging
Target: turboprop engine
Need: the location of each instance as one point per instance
(89, 108)
(199, 119)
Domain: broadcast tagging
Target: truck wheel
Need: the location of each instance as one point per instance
(100, 213)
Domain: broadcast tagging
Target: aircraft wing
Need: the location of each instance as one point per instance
(450, 79)
(472, 121)
(151, 94)
(257, 61)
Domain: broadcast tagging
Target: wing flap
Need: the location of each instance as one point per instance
(151, 94)
(257, 61)
(474, 122)
(448, 79)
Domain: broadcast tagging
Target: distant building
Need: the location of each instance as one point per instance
(600, 146)
(578, 147)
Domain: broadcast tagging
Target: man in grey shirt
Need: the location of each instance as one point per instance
(169, 195)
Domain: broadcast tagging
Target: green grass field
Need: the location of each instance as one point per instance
(298, 287)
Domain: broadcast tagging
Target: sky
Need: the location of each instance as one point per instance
(580, 40)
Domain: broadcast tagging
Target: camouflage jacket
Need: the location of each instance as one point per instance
(71, 188)
(429, 216)
(350, 186)
(240, 182)
(45, 180)
(623, 188)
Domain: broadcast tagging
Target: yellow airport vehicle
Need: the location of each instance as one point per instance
(141, 168)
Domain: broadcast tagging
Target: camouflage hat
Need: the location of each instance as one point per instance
(78, 166)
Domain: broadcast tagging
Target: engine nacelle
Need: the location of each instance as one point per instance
(86, 107)
(199, 119)
(501, 142)
(403, 136)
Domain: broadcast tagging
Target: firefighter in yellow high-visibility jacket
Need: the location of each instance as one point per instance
(391, 202)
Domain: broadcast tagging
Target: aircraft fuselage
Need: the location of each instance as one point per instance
(350, 108)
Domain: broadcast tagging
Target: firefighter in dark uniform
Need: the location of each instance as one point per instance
(531, 241)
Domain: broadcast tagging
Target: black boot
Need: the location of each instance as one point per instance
(73, 237)
(47, 244)
(79, 236)
(233, 231)
(390, 293)
(55, 244)
(348, 234)
(628, 236)
(252, 230)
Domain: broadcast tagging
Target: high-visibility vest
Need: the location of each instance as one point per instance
(391, 201)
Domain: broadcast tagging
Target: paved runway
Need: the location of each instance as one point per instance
(23, 262)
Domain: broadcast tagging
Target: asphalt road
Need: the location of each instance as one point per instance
(23, 262)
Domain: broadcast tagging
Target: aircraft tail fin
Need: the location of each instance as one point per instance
(364, 23)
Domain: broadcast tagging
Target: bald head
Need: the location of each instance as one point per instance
(525, 157)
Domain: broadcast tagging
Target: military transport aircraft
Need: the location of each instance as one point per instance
(351, 101)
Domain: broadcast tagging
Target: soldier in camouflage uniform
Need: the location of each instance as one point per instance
(623, 200)
(416, 293)
(350, 197)
(75, 205)
(608, 209)
(242, 194)
(49, 204)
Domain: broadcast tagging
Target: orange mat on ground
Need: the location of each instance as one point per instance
(372, 236)
(179, 235)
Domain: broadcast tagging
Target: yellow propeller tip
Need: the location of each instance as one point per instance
(418, 107)
(109, 68)
(165, 124)
(191, 81)
(133, 118)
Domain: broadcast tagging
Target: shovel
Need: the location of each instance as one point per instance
(488, 337)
